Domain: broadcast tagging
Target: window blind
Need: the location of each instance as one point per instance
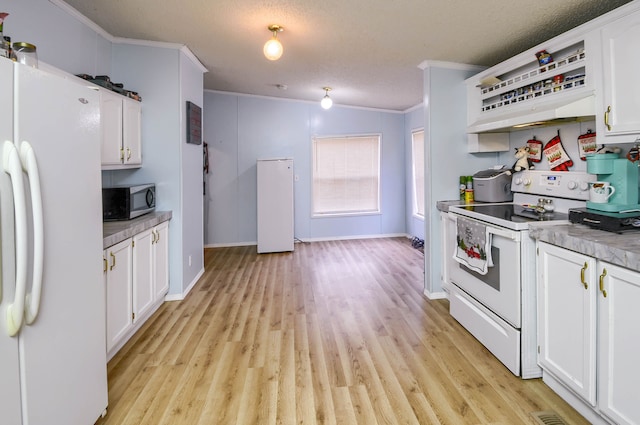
(346, 175)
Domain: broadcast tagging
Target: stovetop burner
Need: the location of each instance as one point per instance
(516, 213)
(513, 216)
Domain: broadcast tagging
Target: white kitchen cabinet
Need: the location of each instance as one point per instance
(137, 279)
(150, 269)
(567, 318)
(588, 333)
(121, 134)
(118, 280)
(161, 260)
(143, 274)
(619, 343)
(618, 120)
(131, 131)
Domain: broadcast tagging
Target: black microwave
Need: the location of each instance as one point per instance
(127, 202)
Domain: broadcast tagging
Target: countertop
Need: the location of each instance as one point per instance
(114, 232)
(444, 205)
(620, 249)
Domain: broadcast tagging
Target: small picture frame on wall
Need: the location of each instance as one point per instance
(194, 124)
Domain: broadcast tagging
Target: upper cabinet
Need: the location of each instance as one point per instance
(121, 134)
(619, 92)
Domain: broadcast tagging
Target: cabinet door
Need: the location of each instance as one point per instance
(567, 318)
(111, 124)
(131, 140)
(161, 260)
(621, 86)
(119, 302)
(619, 343)
(142, 274)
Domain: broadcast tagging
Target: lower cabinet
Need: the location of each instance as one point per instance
(136, 281)
(589, 333)
(118, 284)
(161, 260)
(143, 290)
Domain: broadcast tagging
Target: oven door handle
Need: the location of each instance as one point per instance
(492, 229)
(514, 236)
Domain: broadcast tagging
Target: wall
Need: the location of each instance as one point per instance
(165, 79)
(60, 39)
(446, 155)
(568, 134)
(241, 129)
(191, 89)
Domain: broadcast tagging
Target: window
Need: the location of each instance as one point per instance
(346, 175)
(417, 161)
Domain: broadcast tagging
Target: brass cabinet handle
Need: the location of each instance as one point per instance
(582, 270)
(153, 237)
(606, 117)
(128, 154)
(157, 236)
(121, 154)
(113, 261)
(105, 264)
(602, 276)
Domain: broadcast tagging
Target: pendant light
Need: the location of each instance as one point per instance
(326, 101)
(273, 48)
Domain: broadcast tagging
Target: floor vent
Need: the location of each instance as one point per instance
(547, 418)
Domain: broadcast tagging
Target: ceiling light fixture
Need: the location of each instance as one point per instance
(273, 48)
(326, 101)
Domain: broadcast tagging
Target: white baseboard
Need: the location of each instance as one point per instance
(436, 295)
(323, 239)
(180, 297)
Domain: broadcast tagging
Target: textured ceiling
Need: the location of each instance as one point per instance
(368, 51)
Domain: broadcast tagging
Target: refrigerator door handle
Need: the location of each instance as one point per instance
(13, 167)
(30, 166)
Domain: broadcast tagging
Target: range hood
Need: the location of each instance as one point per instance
(578, 107)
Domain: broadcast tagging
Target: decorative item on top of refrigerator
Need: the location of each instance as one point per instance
(5, 45)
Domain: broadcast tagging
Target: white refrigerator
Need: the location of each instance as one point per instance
(52, 302)
(275, 205)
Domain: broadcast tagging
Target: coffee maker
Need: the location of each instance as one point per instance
(621, 174)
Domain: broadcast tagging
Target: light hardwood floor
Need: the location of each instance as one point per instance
(333, 333)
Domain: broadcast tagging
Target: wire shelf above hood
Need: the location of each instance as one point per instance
(503, 99)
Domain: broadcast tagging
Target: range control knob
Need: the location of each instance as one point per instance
(584, 186)
(518, 181)
(526, 181)
(572, 185)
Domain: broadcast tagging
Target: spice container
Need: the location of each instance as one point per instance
(25, 53)
(468, 193)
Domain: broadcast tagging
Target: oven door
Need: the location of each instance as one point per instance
(500, 289)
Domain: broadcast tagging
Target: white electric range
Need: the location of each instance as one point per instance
(499, 307)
